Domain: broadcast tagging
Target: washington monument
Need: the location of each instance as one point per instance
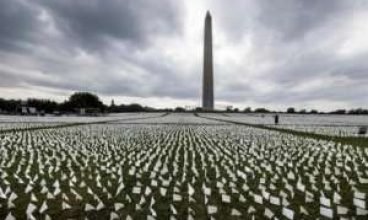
(207, 92)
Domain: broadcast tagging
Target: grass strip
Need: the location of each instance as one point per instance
(73, 124)
(354, 141)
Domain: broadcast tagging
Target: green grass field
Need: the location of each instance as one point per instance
(186, 167)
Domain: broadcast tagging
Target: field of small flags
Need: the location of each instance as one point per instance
(175, 166)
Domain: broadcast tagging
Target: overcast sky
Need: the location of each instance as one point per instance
(274, 53)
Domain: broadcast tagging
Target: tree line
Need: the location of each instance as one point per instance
(92, 103)
(76, 101)
(292, 110)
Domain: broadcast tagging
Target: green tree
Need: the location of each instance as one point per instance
(247, 110)
(84, 100)
(261, 110)
(290, 110)
(179, 109)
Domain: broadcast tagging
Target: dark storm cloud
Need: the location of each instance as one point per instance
(88, 24)
(281, 52)
(282, 19)
(292, 19)
(18, 24)
(301, 39)
(93, 27)
(94, 23)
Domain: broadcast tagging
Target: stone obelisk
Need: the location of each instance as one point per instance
(207, 92)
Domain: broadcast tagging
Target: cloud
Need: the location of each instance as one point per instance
(294, 45)
(266, 53)
(92, 24)
(18, 24)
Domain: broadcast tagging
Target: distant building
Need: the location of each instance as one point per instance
(26, 110)
(88, 111)
(56, 113)
(82, 111)
(229, 108)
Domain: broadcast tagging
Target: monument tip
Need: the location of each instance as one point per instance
(208, 14)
